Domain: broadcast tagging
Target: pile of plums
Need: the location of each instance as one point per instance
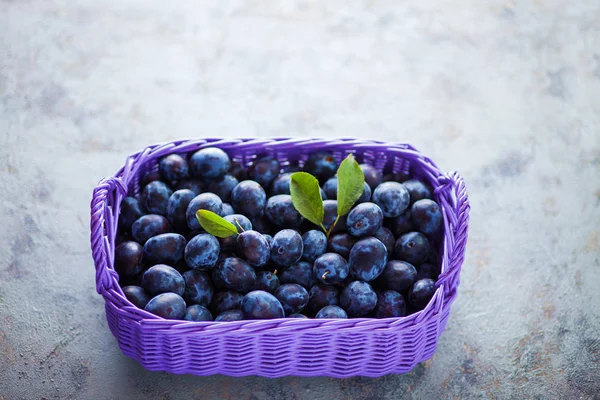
(379, 261)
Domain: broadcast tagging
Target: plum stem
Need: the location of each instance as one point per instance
(238, 224)
(275, 272)
(324, 274)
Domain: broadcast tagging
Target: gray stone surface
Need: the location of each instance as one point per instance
(507, 92)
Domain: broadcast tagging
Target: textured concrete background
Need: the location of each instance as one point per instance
(507, 92)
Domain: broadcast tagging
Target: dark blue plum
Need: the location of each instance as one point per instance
(149, 225)
(386, 237)
(173, 168)
(280, 211)
(149, 177)
(196, 312)
(225, 254)
(286, 248)
(417, 190)
(341, 243)
(331, 268)
(269, 238)
(364, 220)
(195, 185)
(296, 315)
(259, 304)
(155, 197)
(389, 177)
(128, 258)
(238, 171)
(331, 312)
(330, 214)
(198, 288)
(228, 244)
(164, 249)
(365, 196)
(373, 177)
(209, 163)
(367, 259)
(239, 220)
(253, 247)
(225, 301)
(266, 281)
(402, 224)
(122, 236)
(330, 188)
(321, 165)
(292, 297)
(398, 275)
(428, 271)
(358, 299)
(233, 273)
(400, 176)
(392, 198)
(177, 208)
(300, 273)
(427, 216)
(281, 184)
(292, 166)
(131, 210)
(264, 171)
(262, 225)
(315, 245)
(230, 315)
(421, 292)
(161, 279)
(249, 198)
(202, 252)
(390, 304)
(226, 210)
(204, 201)
(323, 195)
(223, 187)
(137, 296)
(167, 305)
(413, 247)
(322, 295)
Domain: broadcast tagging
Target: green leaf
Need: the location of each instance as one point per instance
(306, 196)
(215, 224)
(351, 184)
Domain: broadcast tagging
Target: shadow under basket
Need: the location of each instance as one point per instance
(279, 347)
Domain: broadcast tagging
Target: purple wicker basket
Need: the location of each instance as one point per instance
(273, 348)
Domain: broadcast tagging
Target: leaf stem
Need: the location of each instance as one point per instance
(337, 218)
(324, 229)
(238, 224)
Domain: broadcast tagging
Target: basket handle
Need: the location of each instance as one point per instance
(458, 220)
(102, 226)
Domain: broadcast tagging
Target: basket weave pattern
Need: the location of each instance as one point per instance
(280, 347)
